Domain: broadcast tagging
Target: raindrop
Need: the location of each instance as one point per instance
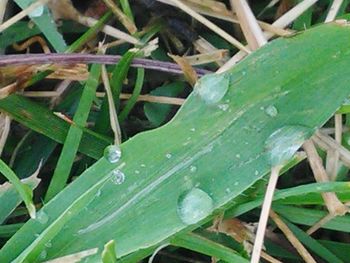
(48, 244)
(256, 172)
(271, 111)
(112, 153)
(137, 171)
(194, 206)
(43, 254)
(193, 129)
(238, 156)
(228, 190)
(193, 168)
(284, 142)
(224, 107)
(212, 88)
(42, 217)
(168, 155)
(98, 193)
(236, 183)
(118, 177)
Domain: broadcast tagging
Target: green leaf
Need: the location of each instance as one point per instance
(47, 26)
(74, 136)
(157, 113)
(208, 247)
(23, 190)
(10, 198)
(309, 217)
(216, 151)
(313, 244)
(108, 253)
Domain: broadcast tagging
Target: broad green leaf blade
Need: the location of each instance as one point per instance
(216, 151)
(23, 190)
(46, 24)
(9, 197)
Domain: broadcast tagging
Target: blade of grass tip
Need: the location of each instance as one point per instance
(108, 253)
(22, 14)
(24, 190)
(119, 74)
(72, 141)
(127, 9)
(134, 97)
(114, 122)
(208, 247)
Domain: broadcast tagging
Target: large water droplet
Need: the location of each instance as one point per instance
(118, 177)
(271, 111)
(194, 206)
(283, 143)
(212, 88)
(42, 217)
(112, 153)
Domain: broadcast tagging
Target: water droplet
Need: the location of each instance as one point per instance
(284, 142)
(193, 129)
(224, 107)
(98, 193)
(236, 183)
(137, 171)
(194, 206)
(37, 12)
(48, 244)
(238, 156)
(193, 168)
(256, 172)
(168, 155)
(112, 153)
(212, 88)
(118, 177)
(143, 165)
(228, 190)
(271, 111)
(42, 217)
(43, 254)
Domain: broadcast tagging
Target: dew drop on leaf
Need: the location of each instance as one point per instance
(118, 177)
(193, 168)
(112, 153)
(194, 206)
(282, 144)
(42, 217)
(212, 88)
(271, 111)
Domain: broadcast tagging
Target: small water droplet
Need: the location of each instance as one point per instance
(236, 183)
(194, 206)
(271, 111)
(193, 168)
(118, 177)
(224, 107)
(48, 244)
(143, 165)
(193, 129)
(42, 217)
(238, 156)
(282, 144)
(168, 155)
(137, 171)
(256, 172)
(112, 153)
(43, 254)
(212, 88)
(228, 190)
(98, 193)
